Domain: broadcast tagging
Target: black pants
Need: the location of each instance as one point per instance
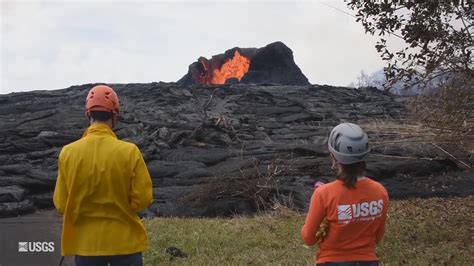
(135, 259)
(350, 263)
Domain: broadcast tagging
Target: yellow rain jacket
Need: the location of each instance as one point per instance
(102, 183)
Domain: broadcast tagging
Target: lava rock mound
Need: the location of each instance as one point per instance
(272, 64)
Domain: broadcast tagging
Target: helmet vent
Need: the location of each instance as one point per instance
(348, 143)
(102, 98)
(336, 143)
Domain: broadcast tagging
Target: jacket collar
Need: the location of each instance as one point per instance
(99, 129)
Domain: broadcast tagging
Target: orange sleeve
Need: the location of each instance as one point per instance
(381, 230)
(316, 213)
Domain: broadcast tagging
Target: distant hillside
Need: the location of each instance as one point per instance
(377, 79)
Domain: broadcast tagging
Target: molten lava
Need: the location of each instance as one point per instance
(233, 68)
(272, 64)
(236, 67)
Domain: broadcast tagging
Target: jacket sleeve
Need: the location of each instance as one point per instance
(381, 229)
(141, 190)
(316, 214)
(60, 191)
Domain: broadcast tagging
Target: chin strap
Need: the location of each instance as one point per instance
(114, 116)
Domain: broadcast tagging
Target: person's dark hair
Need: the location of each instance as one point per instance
(350, 172)
(100, 116)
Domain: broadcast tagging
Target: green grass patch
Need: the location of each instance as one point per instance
(419, 232)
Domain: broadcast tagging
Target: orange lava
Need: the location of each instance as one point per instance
(233, 68)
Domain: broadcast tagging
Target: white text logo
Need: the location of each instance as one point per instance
(22, 246)
(361, 211)
(35, 246)
(344, 212)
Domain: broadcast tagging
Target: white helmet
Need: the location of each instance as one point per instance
(348, 143)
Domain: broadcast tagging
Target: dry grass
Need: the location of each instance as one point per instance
(256, 183)
(430, 231)
(412, 134)
(419, 232)
(397, 131)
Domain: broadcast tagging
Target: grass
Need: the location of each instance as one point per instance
(419, 232)
(410, 134)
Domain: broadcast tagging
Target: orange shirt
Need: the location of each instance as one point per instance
(356, 220)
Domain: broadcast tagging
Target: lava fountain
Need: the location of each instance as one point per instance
(273, 64)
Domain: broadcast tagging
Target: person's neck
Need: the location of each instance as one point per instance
(108, 123)
(339, 172)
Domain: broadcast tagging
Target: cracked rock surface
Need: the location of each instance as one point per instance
(219, 150)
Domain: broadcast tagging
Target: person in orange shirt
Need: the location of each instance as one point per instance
(354, 206)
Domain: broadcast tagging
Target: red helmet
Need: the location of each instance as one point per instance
(102, 98)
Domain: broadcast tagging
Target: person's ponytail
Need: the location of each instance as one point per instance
(350, 172)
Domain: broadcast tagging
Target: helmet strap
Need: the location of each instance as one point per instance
(88, 115)
(114, 116)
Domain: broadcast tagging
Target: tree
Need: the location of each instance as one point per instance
(438, 36)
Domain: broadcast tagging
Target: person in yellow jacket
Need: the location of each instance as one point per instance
(102, 183)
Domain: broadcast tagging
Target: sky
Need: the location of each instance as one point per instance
(56, 44)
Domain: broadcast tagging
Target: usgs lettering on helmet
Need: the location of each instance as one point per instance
(35, 246)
